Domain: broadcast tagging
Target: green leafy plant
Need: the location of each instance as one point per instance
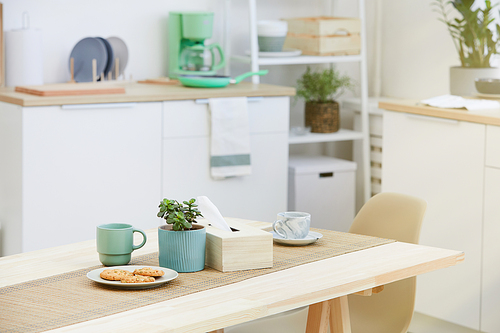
(322, 86)
(471, 34)
(180, 215)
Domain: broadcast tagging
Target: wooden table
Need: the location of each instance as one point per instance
(324, 283)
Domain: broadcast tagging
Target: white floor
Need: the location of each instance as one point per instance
(426, 324)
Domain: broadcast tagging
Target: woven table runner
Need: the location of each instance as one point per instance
(70, 298)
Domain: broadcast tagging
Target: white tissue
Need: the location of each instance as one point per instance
(211, 213)
(455, 102)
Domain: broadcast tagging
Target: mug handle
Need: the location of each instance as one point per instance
(135, 247)
(276, 230)
(222, 61)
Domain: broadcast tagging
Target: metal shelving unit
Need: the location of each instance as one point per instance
(343, 134)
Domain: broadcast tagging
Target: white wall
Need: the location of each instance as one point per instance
(142, 24)
(417, 50)
(416, 56)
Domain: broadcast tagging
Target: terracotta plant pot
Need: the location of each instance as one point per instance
(322, 117)
(182, 251)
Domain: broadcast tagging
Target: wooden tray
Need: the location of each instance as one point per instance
(160, 80)
(69, 89)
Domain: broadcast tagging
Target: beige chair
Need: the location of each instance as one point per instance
(395, 216)
(387, 215)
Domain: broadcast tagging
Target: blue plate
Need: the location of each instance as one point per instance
(111, 56)
(84, 51)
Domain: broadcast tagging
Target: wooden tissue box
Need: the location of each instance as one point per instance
(324, 35)
(247, 248)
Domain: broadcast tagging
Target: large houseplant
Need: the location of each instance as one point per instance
(471, 30)
(181, 243)
(320, 90)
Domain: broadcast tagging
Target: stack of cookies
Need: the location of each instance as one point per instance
(145, 274)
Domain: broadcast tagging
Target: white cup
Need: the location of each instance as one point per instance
(292, 225)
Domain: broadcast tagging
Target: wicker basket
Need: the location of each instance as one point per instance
(322, 117)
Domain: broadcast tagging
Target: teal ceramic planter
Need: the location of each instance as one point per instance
(182, 251)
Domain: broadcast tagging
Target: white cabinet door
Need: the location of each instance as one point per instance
(490, 300)
(442, 162)
(186, 171)
(84, 167)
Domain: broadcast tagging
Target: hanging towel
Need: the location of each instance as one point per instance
(230, 137)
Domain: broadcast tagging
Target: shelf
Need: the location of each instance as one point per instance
(341, 135)
(299, 60)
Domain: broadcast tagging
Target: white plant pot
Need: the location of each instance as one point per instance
(462, 79)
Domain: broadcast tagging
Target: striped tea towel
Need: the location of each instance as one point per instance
(230, 137)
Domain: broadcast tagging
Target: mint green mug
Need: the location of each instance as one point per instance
(115, 243)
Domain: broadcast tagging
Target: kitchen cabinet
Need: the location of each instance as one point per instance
(66, 170)
(186, 159)
(490, 294)
(442, 161)
(67, 167)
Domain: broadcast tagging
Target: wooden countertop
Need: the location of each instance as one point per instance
(490, 117)
(140, 92)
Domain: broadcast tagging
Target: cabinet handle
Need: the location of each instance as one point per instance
(249, 99)
(98, 106)
(441, 120)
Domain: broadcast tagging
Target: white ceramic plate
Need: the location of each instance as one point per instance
(120, 51)
(310, 238)
(285, 53)
(170, 274)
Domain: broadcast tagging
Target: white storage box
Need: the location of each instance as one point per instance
(324, 187)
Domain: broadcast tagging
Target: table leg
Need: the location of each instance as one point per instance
(317, 319)
(340, 321)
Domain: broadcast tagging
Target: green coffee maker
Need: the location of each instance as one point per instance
(188, 54)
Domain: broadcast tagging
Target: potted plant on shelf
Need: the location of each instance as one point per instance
(320, 89)
(181, 243)
(474, 41)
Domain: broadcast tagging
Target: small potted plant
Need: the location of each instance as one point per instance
(181, 243)
(474, 39)
(319, 90)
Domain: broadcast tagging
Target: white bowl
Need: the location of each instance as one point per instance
(272, 28)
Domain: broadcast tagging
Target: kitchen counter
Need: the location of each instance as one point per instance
(140, 92)
(490, 117)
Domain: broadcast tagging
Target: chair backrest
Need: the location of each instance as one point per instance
(391, 215)
(395, 216)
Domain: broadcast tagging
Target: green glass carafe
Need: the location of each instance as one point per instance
(201, 58)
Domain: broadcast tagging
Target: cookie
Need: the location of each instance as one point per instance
(148, 271)
(114, 274)
(137, 279)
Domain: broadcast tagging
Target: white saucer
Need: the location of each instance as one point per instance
(285, 53)
(170, 274)
(310, 238)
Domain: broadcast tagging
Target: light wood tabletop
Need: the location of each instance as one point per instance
(325, 283)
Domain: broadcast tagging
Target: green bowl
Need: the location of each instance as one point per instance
(488, 86)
